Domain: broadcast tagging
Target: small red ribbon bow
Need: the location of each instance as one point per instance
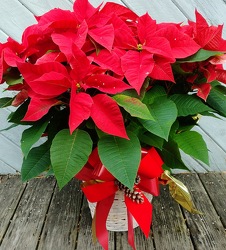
(100, 186)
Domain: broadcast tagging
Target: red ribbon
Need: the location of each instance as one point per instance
(100, 187)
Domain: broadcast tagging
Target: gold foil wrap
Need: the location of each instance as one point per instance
(179, 192)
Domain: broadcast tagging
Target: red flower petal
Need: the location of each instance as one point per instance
(159, 46)
(38, 108)
(107, 116)
(137, 66)
(83, 9)
(119, 10)
(181, 44)
(48, 79)
(20, 98)
(31, 72)
(66, 39)
(50, 84)
(80, 64)
(80, 108)
(208, 37)
(103, 35)
(203, 90)
(221, 75)
(106, 84)
(124, 37)
(58, 19)
(146, 28)
(162, 70)
(108, 60)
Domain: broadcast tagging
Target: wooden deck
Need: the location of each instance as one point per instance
(36, 216)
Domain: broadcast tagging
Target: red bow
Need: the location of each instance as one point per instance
(100, 186)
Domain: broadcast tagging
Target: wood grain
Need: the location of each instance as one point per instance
(206, 230)
(161, 10)
(25, 227)
(215, 128)
(11, 190)
(38, 7)
(215, 184)
(16, 18)
(42, 220)
(141, 243)
(60, 230)
(10, 153)
(169, 227)
(3, 36)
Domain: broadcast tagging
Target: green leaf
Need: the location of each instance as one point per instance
(192, 143)
(121, 157)
(13, 79)
(8, 128)
(189, 104)
(155, 92)
(171, 156)
(18, 115)
(37, 161)
(135, 127)
(201, 55)
(217, 100)
(5, 102)
(31, 135)
(164, 112)
(152, 140)
(133, 106)
(69, 153)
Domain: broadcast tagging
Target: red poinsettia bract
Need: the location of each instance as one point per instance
(81, 58)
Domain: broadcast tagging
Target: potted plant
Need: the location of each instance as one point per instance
(113, 95)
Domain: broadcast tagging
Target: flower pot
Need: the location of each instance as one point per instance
(117, 217)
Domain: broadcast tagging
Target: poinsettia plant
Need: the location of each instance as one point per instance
(105, 77)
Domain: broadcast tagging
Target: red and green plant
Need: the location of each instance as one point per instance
(105, 77)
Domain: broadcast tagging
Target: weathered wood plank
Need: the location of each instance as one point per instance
(141, 243)
(216, 129)
(169, 227)
(192, 165)
(10, 153)
(3, 36)
(206, 230)
(60, 230)
(16, 18)
(27, 222)
(98, 2)
(6, 168)
(161, 10)
(39, 7)
(11, 190)
(213, 11)
(13, 134)
(84, 240)
(215, 184)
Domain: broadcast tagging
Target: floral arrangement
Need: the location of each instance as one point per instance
(108, 81)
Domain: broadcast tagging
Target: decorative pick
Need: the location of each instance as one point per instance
(179, 192)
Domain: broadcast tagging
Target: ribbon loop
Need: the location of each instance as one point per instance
(100, 186)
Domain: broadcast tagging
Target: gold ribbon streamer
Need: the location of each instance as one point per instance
(179, 192)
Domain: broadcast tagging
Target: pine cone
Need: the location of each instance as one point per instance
(135, 195)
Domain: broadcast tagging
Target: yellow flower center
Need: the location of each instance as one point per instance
(139, 47)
